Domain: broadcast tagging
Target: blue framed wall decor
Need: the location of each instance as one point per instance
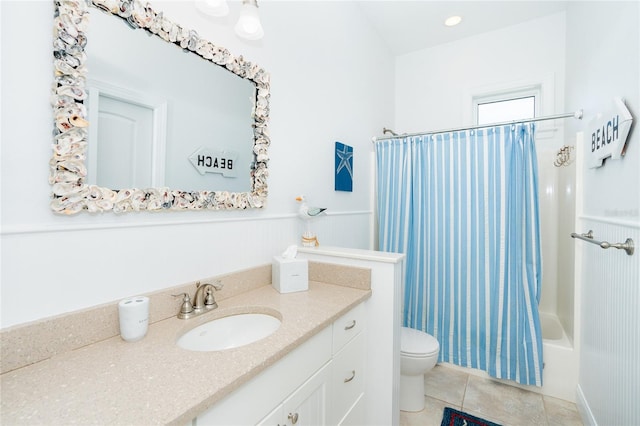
(344, 167)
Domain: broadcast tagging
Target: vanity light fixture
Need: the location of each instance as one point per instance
(453, 21)
(248, 25)
(213, 7)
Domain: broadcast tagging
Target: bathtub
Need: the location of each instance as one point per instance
(560, 360)
(552, 331)
(560, 371)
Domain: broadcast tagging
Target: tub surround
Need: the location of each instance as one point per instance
(110, 381)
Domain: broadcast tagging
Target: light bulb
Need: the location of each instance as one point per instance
(213, 7)
(248, 25)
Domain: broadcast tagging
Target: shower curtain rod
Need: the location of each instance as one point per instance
(576, 115)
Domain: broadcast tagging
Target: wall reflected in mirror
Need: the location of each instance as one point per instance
(162, 117)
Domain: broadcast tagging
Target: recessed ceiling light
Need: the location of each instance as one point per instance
(452, 21)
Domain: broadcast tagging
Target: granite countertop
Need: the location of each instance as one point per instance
(153, 381)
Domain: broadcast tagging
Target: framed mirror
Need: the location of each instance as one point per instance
(215, 147)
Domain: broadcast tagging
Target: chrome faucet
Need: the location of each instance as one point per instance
(203, 300)
(206, 301)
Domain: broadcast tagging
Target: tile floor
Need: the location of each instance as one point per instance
(489, 399)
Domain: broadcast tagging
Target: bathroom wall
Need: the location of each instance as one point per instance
(329, 83)
(603, 60)
(434, 86)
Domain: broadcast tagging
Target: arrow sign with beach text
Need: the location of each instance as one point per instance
(609, 132)
(206, 160)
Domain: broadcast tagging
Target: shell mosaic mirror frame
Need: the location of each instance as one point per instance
(68, 169)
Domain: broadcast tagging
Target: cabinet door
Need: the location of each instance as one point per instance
(355, 415)
(307, 406)
(274, 418)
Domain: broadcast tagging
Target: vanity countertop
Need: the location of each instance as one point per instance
(153, 381)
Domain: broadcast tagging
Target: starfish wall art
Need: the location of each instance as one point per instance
(344, 167)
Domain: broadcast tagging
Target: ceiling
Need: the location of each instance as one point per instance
(407, 26)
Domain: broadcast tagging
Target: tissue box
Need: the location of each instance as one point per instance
(289, 275)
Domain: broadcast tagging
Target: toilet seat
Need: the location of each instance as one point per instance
(417, 344)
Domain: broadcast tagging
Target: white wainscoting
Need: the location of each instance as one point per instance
(50, 270)
(609, 379)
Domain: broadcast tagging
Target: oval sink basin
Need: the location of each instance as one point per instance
(229, 332)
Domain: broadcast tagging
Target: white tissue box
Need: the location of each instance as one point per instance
(289, 275)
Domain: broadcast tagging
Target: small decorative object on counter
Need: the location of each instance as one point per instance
(306, 213)
(134, 318)
(309, 239)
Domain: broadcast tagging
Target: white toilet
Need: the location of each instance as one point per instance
(418, 354)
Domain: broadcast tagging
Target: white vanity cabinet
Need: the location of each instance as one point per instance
(319, 383)
(348, 369)
(383, 313)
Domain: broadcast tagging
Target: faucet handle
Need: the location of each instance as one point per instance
(209, 300)
(186, 307)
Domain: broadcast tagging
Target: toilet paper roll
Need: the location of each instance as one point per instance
(134, 318)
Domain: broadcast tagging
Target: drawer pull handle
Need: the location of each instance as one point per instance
(293, 417)
(353, 376)
(350, 326)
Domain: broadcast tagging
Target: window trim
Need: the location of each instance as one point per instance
(550, 101)
(534, 91)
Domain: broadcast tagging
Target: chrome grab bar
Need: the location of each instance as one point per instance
(627, 246)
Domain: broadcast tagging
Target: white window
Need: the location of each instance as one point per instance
(507, 106)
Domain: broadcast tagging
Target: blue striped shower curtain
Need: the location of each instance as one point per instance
(463, 207)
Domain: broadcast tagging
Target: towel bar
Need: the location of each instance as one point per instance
(626, 246)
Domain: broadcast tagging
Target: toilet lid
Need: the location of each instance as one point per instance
(417, 342)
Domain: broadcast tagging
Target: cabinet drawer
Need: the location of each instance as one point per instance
(347, 326)
(347, 378)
